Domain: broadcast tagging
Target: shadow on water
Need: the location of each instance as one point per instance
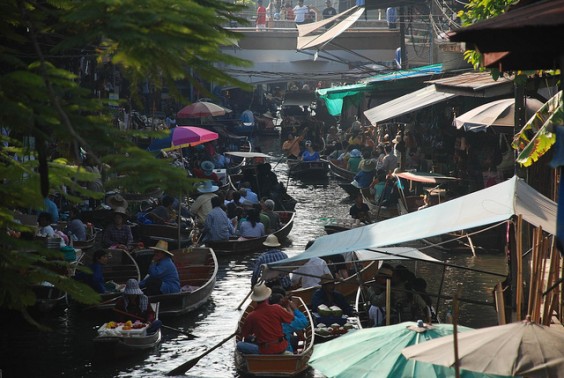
(69, 351)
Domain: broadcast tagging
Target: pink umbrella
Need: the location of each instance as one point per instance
(202, 109)
(185, 136)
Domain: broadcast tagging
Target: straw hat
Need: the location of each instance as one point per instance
(132, 287)
(207, 166)
(271, 241)
(116, 201)
(207, 187)
(326, 278)
(162, 246)
(261, 293)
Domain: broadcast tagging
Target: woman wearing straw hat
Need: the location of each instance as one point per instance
(162, 276)
(134, 304)
(118, 235)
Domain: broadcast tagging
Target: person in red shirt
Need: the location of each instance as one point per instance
(264, 324)
(261, 16)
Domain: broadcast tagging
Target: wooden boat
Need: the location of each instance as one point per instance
(47, 297)
(121, 342)
(308, 169)
(235, 246)
(339, 170)
(347, 287)
(277, 365)
(197, 268)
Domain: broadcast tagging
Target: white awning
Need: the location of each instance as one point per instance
(484, 207)
(320, 40)
(305, 29)
(393, 253)
(406, 104)
(243, 154)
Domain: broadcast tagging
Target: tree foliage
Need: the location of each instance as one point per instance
(43, 95)
(477, 10)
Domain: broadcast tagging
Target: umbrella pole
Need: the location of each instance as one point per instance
(388, 300)
(455, 332)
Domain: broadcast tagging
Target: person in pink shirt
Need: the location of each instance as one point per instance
(261, 16)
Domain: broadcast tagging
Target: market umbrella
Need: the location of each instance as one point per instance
(523, 348)
(202, 109)
(183, 136)
(499, 113)
(377, 351)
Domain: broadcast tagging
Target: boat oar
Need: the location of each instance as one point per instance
(192, 362)
(162, 325)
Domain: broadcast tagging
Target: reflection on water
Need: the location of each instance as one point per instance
(69, 351)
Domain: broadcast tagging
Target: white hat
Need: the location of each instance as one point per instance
(271, 241)
(261, 293)
(207, 187)
(121, 211)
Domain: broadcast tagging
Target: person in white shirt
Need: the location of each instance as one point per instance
(309, 274)
(300, 12)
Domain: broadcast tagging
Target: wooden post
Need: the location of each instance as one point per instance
(519, 261)
(455, 331)
(500, 304)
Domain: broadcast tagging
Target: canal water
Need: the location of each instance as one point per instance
(67, 350)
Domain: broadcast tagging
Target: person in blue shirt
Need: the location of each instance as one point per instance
(162, 276)
(310, 154)
(327, 295)
(96, 279)
(50, 207)
(280, 297)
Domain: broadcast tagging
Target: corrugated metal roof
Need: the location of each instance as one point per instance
(477, 84)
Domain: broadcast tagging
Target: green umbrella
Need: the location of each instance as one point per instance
(376, 352)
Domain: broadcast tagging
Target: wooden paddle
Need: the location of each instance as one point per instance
(162, 325)
(192, 362)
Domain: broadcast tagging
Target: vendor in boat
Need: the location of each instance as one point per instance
(262, 328)
(218, 226)
(292, 146)
(360, 210)
(271, 255)
(134, 305)
(202, 205)
(354, 160)
(117, 234)
(96, 279)
(162, 276)
(310, 154)
(206, 172)
(326, 295)
(283, 298)
(164, 213)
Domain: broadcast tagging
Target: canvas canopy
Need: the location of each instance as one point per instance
(488, 206)
(318, 41)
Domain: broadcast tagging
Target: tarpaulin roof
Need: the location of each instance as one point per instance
(305, 29)
(488, 206)
(334, 96)
(406, 104)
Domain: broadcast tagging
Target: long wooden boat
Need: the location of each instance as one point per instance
(347, 287)
(235, 246)
(308, 169)
(277, 365)
(197, 268)
(339, 170)
(120, 343)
